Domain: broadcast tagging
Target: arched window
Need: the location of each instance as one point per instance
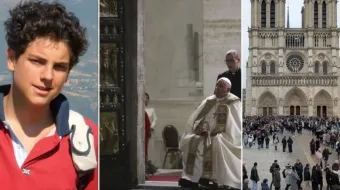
(272, 14)
(263, 13)
(324, 14)
(272, 68)
(316, 15)
(316, 67)
(263, 68)
(324, 68)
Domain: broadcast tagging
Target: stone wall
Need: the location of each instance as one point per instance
(167, 55)
(222, 32)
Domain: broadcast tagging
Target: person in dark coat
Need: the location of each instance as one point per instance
(254, 176)
(335, 181)
(264, 185)
(319, 176)
(267, 141)
(314, 179)
(328, 178)
(284, 143)
(299, 170)
(259, 142)
(277, 177)
(290, 145)
(244, 170)
(272, 171)
(332, 179)
(325, 155)
(317, 144)
(232, 59)
(335, 166)
(306, 175)
(312, 147)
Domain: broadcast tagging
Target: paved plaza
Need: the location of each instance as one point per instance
(265, 157)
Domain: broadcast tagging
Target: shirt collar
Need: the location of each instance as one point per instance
(59, 107)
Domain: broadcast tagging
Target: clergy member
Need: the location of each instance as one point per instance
(232, 60)
(211, 144)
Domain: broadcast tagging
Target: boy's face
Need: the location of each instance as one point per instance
(40, 73)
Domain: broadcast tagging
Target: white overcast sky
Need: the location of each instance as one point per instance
(295, 22)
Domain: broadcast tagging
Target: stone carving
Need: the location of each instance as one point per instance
(295, 63)
(281, 102)
(321, 57)
(254, 64)
(268, 102)
(254, 101)
(276, 52)
(310, 101)
(268, 56)
(295, 100)
(281, 64)
(294, 80)
(335, 101)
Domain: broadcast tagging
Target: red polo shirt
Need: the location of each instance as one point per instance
(49, 165)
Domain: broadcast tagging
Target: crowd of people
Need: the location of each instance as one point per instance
(266, 132)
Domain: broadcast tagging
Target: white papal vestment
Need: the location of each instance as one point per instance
(217, 158)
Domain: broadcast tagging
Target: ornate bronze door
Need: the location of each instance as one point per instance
(118, 92)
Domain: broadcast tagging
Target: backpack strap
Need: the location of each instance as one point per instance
(81, 143)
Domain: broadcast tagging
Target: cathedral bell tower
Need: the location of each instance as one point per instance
(293, 70)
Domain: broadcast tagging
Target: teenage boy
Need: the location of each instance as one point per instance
(42, 142)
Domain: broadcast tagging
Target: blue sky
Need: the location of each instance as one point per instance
(85, 10)
(295, 22)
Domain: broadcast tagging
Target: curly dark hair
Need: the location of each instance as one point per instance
(31, 19)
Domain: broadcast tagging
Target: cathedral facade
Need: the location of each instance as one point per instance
(293, 71)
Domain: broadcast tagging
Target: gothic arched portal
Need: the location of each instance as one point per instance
(323, 105)
(295, 102)
(267, 104)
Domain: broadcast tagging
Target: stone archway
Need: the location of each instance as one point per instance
(267, 104)
(323, 105)
(295, 102)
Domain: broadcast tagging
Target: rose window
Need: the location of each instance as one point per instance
(295, 63)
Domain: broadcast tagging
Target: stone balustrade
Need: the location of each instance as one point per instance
(294, 80)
